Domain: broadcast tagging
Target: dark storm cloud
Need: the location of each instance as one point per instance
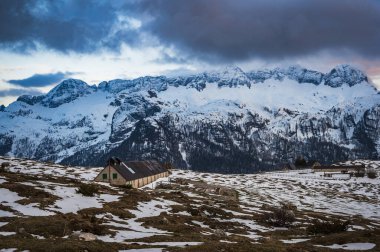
(205, 29)
(64, 25)
(18, 92)
(239, 29)
(41, 80)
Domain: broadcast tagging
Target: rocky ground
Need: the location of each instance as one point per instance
(49, 207)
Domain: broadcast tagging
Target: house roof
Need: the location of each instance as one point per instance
(132, 170)
(292, 166)
(355, 167)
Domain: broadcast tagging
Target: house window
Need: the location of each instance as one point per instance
(114, 175)
(104, 175)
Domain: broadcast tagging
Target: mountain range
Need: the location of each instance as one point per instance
(227, 121)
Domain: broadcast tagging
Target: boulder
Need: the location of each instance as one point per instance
(219, 232)
(164, 221)
(87, 237)
(5, 164)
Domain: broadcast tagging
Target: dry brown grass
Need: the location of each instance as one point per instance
(57, 226)
(217, 199)
(58, 245)
(31, 194)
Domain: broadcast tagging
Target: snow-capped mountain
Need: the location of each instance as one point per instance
(227, 121)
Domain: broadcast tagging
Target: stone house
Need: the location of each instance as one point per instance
(134, 173)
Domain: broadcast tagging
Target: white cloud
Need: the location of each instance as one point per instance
(7, 100)
(92, 68)
(376, 82)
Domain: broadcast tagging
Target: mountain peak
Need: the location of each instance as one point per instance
(344, 74)
(233, 76)
(67, 91)
(303, 75)
(232, 69)
(70, 84)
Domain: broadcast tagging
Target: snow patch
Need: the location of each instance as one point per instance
(350, 246)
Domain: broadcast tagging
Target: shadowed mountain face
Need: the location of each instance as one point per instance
(229, 121)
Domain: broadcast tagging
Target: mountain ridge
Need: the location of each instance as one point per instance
(335, 78)
(227, 121)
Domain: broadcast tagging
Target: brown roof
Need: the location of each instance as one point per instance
(132, 170)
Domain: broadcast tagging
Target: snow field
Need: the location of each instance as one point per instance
(307, 191)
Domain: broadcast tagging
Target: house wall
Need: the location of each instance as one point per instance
(109, 170)
(338, 170)
(147, 180)
(99, 178)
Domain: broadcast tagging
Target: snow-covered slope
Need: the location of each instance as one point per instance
(43, 203)
(230, 121)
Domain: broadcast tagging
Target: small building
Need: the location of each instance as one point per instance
(339, 168)
(5, 165)
(134, 173)
(337, 175)
(289, 166)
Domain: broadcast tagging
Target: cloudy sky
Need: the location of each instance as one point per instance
(43, 42)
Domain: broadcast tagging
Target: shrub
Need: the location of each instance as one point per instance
(288, 206)
(4, 165)
(300, 161)
(328, 227)
(194, 212)
(164, 186)
(359, 174)
(168, 166)
(88, 189)
(372, 174)
(282, 216)
(88, 224)
(126, 186)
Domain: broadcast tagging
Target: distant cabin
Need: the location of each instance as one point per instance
(340, 168)
(289, 166)
(135, 173)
